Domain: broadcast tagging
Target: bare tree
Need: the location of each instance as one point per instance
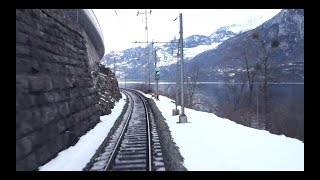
(233, 95)
(264, 56)
(193, 76)
(251, 71)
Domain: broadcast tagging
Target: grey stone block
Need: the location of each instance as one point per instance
(69, 82)
(35, 67)
(42, 155)
(72, 93)
(61, 125)
(24, 101)
(49, 113)
(75, 105)
(20, 166)
(52, 147)
(52, 130)
(49, 97)
(23, 65)
(47, 67)
(36, 83)
(23, 127)
(79, 71)
(23, 27)
(21, 82)
(23, 146)
(49, 131)
(62, 142)
(83, 92)
(55, 96)
(22, 38)
(27, 164)
(56, 82)
(64, 95)
(48, 85)
(43, 99)
(31, 161)
(36, 118)
(64, 109)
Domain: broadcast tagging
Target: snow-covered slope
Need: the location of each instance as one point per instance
(211, 143)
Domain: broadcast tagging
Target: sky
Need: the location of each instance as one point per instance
(211, 144)
(122, 27)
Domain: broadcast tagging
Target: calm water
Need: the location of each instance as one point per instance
(291, 94)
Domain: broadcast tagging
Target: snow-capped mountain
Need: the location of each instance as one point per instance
(195, 40)
(222, 63)
(240, 28)
(133, 61)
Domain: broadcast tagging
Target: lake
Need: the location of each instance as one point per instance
(290, 93)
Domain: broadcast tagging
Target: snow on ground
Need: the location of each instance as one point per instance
(211, 143)
(207, 142)
(76, 157)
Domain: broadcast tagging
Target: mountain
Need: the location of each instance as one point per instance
(221, 63)
(132, 61)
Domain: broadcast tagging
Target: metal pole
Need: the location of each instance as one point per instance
(155, 59)
(145, 12)
(114, 66)
(177, 82)
(176, 110)
(182, 117)
(157, 90)
(147, 54)
(157, 81)
(148, 57)
(257, 103)
(125, 80)
(146, 75)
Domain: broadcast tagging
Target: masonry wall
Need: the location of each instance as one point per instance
(56, 96)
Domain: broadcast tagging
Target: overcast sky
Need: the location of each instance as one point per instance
(121, 27)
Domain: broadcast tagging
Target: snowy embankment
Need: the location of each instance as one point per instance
(211, 143)
(207, 142)
(76, 157)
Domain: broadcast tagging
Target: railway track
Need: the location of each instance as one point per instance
(135, 145)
